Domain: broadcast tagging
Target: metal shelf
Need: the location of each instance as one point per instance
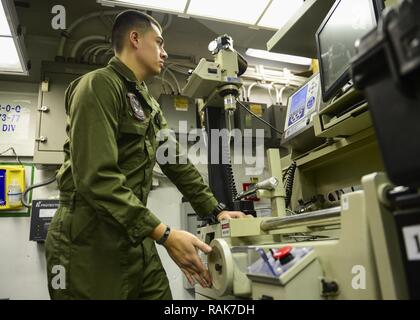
(297, 36)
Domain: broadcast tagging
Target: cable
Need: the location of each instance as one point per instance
(49, 181)
(250, 88)
(181, 69)
(289, 183)
(173, 77)
(15, 154)
(244, 92)
(271, 95)
(259, 118)
(229, 174)
(227, 168)
(164, 81)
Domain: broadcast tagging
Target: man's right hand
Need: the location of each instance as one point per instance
(182, 247)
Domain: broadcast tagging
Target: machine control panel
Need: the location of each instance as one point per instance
(302, 104)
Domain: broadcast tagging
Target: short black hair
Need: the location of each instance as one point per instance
(127, 21)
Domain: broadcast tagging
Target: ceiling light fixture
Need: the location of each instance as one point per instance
(266, 55)
(13, 56)
(268, 14)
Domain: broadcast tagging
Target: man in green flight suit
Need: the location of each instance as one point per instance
(100, 244)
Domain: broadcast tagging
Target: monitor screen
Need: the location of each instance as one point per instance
(347, 21)
(297, 106)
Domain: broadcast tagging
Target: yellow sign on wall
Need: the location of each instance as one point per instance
(257, 109)
(181, 104)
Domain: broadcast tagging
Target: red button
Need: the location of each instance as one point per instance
(283, 252)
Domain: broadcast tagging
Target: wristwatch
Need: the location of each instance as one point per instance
(164, 237)
(219, 208)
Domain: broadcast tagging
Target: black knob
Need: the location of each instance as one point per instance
(329, 287)
(286, 259)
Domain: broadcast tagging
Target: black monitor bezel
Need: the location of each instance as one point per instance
(327, 95)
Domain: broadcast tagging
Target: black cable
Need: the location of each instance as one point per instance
(285, 174)
(289, 183)
(259, 118)
(14, 153)
(233, 193)
(229, 174)
(49, 181)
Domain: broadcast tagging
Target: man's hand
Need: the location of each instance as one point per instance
(231, 215)
(182, 246)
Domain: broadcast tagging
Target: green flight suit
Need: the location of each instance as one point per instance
(99, 233)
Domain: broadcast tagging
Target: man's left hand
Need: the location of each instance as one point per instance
(232, 215)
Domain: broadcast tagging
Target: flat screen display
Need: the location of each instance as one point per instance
(348, 21)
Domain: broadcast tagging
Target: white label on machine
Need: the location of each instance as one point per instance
(225, 228)
(412, 242)
(345, 203)
(14, 121)
(47, 213)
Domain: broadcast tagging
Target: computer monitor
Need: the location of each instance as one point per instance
(346, 22)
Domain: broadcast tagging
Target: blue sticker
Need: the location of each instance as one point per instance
(233, 79)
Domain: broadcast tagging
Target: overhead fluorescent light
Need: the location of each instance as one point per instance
(175, 6)
(9, 58)
(270, 14)
(279, 12)
(4, 24)
(242, 11)
(266, 55)
(12, 58)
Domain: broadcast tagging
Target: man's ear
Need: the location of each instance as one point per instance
(135, 39)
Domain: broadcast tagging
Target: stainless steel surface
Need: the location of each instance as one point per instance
(277, 223)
